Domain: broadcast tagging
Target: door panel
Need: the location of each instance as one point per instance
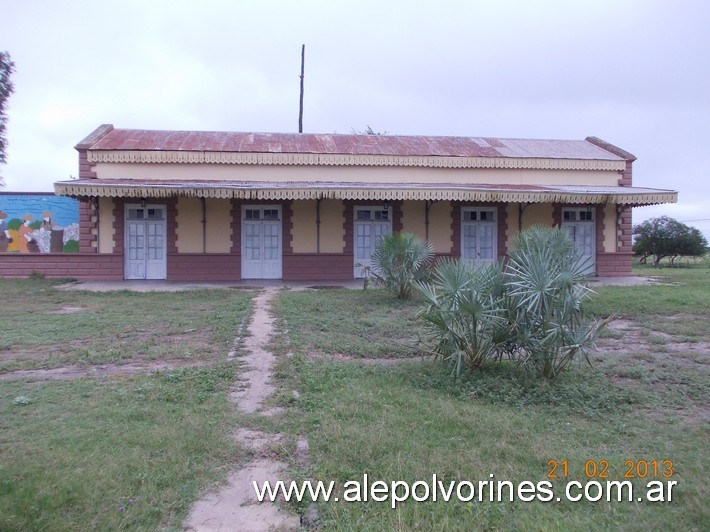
(261, 242)
(581, 227)
(135, 266)
(479, 233)
(145, 244)
(370, 225)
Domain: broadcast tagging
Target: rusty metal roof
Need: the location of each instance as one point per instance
(108, 138)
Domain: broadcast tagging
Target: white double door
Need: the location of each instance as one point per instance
(261, 242)
(580, 225)
(479, 236)
(145, 245)
(369, 225)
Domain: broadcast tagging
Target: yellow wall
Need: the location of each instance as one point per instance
(513, 222)
(538, 214)
(304, 233)
(332, 232)
(106, 229)
(414, 221)
(219, 225)
(305, 230)
(533, 214)
(413, 218)
(189, 226)
(440, 231)
(370, 174)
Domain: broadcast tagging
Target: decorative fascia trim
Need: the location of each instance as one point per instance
(512, 196)
(315, 159)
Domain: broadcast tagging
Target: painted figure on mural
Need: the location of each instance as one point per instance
(4, 235)
(24, 234)
(47, 222)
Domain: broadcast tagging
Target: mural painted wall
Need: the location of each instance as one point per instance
(38, 223)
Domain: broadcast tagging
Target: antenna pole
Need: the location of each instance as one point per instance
(300, 108)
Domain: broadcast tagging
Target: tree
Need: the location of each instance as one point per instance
(369, 131)
(666, 237)
(7, 67)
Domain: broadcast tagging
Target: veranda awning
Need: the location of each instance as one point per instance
(252, 190)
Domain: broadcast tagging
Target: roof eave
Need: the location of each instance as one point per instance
(95, 136)
(630, 157)
(354, 191)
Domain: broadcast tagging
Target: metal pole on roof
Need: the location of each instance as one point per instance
(300, 108)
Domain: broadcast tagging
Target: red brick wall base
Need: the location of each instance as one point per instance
(204, 267)
(84, 266)
(318, 266)
(221, 267)
(614, 264)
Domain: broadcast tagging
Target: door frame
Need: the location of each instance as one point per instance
(262, 222)
(357, 270)
(493, 222)
(145, 221)
(588, 218)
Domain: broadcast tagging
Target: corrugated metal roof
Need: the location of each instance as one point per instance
(109, 138)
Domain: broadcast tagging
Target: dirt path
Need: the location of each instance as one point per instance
(234, 506)
(254, 384)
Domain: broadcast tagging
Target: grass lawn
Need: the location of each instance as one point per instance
(48, 328)
(125, 452)
(645, 399)
(133, 452)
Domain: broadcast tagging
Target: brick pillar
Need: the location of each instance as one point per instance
(502, 230)
(88, 225)
(456, 229)
(397, 224)
(287, 226)
(236, 214)
(171, 224)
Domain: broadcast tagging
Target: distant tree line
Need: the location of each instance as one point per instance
(666, 237)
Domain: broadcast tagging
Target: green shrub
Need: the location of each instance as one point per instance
(463, 312)
(401, 260)
(529, 310)
(545, 279)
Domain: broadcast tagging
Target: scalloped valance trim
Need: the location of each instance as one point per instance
(620, 197)
(315, 159)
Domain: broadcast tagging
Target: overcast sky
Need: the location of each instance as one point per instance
(635, 73)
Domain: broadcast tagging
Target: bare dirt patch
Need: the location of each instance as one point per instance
(66, 310)
(132, 345)
(99, 371)
(383, 361)
(632, 339)
(235, 507)
(254, 384)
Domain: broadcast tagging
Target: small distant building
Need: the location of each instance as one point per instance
(191, 205)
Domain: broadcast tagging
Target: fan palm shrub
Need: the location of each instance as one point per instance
(463, 313)
(400, 260)
(529, 310)
(545, 281)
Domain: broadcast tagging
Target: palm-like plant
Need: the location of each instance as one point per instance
(400, 260)
(530, 310)
(545, 278)
(463, 313)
